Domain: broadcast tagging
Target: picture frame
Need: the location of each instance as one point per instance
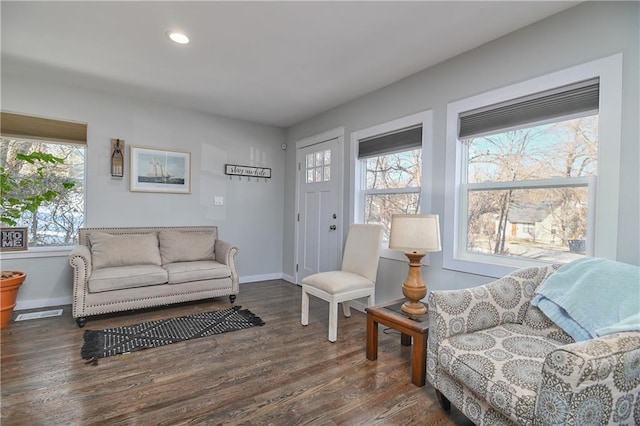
(159, 170)
(14, 238)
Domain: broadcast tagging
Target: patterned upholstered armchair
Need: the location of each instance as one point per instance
(500, 360)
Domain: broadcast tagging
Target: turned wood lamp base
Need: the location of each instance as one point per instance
(414, 288)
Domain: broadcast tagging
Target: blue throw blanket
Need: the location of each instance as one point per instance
(592, 297)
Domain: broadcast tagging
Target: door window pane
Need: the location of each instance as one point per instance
(318, 165)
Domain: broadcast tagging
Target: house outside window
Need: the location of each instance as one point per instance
(523, 183)
(527, 171)
(391, 160)
(55, 223)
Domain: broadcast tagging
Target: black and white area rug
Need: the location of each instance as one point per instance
(114, 341)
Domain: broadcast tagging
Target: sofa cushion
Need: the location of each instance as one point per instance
(109, 250)
(120, 277)
(501, 365)
(182, 272)
(178, 246)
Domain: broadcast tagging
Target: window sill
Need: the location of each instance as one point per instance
(487, 265)
(37, 252)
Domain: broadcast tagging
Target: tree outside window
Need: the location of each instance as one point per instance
(392, 186)
(55, 223)
(527, 190)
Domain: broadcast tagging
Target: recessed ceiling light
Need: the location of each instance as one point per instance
(178, 37)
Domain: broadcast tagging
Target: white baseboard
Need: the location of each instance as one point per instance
(42, 303)
(255, 278)
(289, 278)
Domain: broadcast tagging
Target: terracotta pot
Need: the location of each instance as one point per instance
(8, 291)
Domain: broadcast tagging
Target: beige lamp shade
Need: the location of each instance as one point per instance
(415, 232)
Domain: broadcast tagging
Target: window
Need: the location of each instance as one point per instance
(528, 170)
(55, 223)
(318, 166)
(522, 184)
(391, 185)
(390, 165)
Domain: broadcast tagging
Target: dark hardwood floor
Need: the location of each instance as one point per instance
(279, 374)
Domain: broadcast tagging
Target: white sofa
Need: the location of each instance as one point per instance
(119, 269)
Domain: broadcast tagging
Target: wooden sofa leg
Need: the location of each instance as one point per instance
(81, 321)
(232, 298)
(444, 402)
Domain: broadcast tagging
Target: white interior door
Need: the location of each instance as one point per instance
(319, 231)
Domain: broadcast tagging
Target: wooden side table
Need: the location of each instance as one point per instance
(390, 315)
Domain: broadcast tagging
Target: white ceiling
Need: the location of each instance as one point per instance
(276, 63)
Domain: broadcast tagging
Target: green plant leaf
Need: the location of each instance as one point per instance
(13, 206)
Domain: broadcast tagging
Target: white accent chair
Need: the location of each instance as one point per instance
(355, 280)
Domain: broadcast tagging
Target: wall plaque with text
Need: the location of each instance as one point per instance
(248, 171)
(13, 239)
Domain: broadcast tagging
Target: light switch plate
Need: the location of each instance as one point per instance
(218, 201)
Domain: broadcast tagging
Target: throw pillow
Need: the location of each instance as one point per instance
(179, 246)
(124, 250)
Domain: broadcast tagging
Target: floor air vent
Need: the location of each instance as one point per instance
(38, 315)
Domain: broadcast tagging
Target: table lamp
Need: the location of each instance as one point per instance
(415, 235)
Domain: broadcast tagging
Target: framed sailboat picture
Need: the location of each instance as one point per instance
(156, 170)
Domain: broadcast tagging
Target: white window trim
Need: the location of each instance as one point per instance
(605, 232)
(356, 210)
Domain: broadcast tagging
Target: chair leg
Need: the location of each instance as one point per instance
(333, 321)
(346, 309)
(304, 320)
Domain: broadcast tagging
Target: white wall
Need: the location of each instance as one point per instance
(251, 216)
(584, 33)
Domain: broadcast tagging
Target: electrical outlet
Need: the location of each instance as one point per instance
(218, 201)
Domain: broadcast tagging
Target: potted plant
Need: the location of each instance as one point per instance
(17, 196)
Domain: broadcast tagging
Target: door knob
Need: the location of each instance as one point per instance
(333, 227)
